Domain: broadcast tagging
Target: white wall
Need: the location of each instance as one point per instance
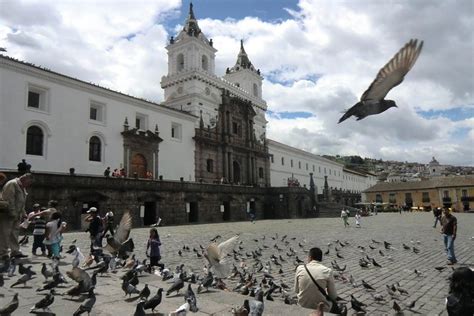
(69, 127)
(279, 173)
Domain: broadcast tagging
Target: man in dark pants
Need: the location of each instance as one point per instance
(437, 216)
(95, 228)
(449, 229)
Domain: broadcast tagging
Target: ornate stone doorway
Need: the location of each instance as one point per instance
(236, 170)
(138, 165)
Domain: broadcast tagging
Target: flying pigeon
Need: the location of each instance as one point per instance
(120, 243)
(217, 256)
(391, 75)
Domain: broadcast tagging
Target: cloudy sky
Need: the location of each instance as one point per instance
(317, 58)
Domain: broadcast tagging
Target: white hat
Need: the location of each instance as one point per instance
(92, 210)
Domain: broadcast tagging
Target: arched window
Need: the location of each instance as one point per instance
(255, 89)
(95, 149)
(34, 141)
(204, 63)
(180, 62)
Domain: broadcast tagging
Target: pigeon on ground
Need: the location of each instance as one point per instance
(154, 301)
(45, 272)
(145, 292)
(177, 285)
(23, 279)
(129, 289)
(87, 305)
(140, 311)
(367, 286)
(255, 307)
(45, 302)
(191, 298)
(182, 310)
(2, 280)
(391, 75)
(10, 307)
(206, 282)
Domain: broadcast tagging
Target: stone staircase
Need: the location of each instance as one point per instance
(333, 209)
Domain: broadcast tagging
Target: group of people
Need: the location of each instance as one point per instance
(46, 222)
(345, 213)
(117, 173)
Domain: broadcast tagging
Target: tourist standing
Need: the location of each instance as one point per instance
(95, 228)
(107, 172)
(54, 229)
(39, 230)
(345, 217)
(449, 230)
(14, 193)
(153, 245)
(109, 223)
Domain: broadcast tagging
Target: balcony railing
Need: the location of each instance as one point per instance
(467, 199)
(426, 200)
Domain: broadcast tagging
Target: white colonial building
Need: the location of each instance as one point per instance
(57, 122)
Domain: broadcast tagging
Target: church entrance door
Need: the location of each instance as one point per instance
(138, 165)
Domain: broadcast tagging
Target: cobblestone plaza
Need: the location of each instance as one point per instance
(429, 288)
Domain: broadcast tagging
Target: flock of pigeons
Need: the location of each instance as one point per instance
(255, 268)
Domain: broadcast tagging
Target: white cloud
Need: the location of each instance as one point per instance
(320, 61)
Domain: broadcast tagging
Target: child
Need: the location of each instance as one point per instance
(39, 224)
(54, 228)
(357, 219)
(154, 244)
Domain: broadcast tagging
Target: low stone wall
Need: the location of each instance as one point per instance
(175, 202)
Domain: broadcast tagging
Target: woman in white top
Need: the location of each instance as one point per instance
(54, 229)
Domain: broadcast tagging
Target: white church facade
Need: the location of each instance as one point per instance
(57, 122)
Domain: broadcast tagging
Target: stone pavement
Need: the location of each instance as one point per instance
(398, 265)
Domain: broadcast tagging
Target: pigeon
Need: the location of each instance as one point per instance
(440, 268)
(23, 279)
(255, 307)
(177, 285)
(375, 263)
(191, 298)
(87, 305)
(357, 305)
(81, 277)
(411, 305)
(206, 282)
(140, 311)
(396, 307)
(129, 289)
(145, 292)
(367, 286)
(400, 289)
(10, 307)
(154, 301)
(45, 302)
(119, 243)
(391, 75)
(182, 310)
(45, 272)
(216, 255)
(2, 281)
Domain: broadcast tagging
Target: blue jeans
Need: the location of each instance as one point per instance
(449, 246)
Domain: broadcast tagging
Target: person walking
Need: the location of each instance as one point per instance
(314, 284)
(357, 218)
(449, 230)
(109, 223)
(437, 215)
(345, 217)
(153, 245)
(14, 193)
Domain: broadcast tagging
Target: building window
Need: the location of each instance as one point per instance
(96, 112)
(282, 161)
(271, 158)
(291, 163)
(324, 170)
(313, 168)
(180, 62)
(255, 89)
(378, 198)
(425, 197)
(260, 173)
(204, 63)
(141, 121)
(34, 141)
(235, 128)
(329, 171)
(37, 98)
(299, 164)
(464, 193)
(392, 199)
(446, 193)
(95, 149)
(210, 165)
(175, 130)
(319, 169)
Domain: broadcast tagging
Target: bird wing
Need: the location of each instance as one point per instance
(123, 231)
(227, 246)
(78, 275)
(393, 72)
